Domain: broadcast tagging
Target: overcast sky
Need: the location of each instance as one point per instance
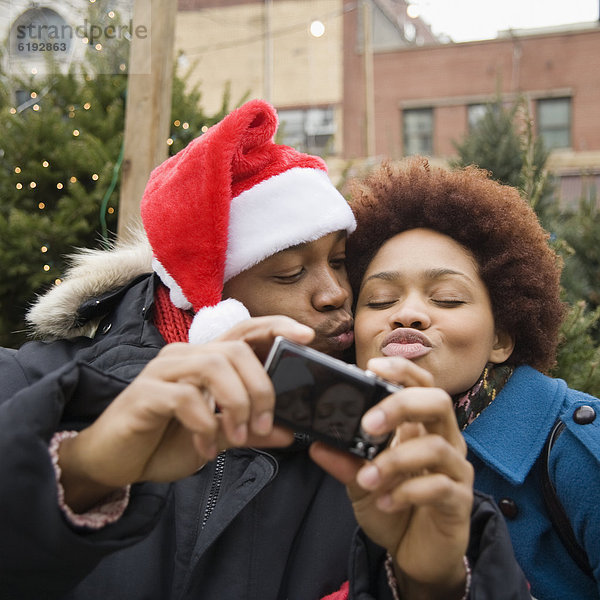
(465, 20)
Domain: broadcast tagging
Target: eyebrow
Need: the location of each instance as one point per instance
(431, 274)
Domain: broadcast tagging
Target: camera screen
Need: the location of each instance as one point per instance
(315, 397)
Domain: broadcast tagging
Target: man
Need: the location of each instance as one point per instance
(235, 217)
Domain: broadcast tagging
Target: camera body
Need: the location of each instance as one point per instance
(324, 397)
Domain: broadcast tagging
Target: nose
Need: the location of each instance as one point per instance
(332, 290)
(411, 312)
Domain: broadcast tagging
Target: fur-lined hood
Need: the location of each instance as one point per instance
(91, 273)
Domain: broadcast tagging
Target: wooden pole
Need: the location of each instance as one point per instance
(369, 85)
(148, 105)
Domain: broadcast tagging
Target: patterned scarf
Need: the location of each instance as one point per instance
(470, 404)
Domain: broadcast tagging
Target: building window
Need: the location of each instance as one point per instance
(475, 112)
(554, 122)
(417, 124)
(308, 130)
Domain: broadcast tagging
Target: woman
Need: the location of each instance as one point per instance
(453, 272)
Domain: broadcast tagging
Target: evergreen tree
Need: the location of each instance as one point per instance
(578, 357)
(580, 229)
(503, 142)
(60, 155)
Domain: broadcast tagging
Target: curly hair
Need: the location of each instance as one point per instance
(492, 221)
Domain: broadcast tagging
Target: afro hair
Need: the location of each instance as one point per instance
(492, 221)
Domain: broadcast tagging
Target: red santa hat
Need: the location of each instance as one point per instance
(226, 202)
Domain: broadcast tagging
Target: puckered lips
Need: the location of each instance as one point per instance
(342, 336)
(405, 342)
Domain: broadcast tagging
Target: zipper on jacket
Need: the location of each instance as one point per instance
(215, 488)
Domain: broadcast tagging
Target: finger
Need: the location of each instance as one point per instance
(219, 377)
(196, 413)
(233, 375)
(260, 332)
(429, 453)
(435, 490)
(430, 406)
(257, 386)
(148, 404)
(279, 437)
(341, 465)
(401, 371)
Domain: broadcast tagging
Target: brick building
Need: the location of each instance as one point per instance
(427, 97)
(265, 49)
(370, 82)
(409, 93)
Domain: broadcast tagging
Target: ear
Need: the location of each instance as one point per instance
(504, 344)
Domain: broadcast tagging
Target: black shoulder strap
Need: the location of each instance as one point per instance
(557, 512)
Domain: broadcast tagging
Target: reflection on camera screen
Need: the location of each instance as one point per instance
(311, 396)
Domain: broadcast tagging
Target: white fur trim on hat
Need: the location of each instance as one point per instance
(297, 206)
(175, 292)
(212, 321)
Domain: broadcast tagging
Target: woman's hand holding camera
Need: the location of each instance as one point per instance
(415, 497)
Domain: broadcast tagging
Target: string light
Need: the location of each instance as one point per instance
(204, 129)
(413, 11)
(36, 107)
(44, 249)
(73, 179)
(59, 186)
(95, 176)
(41, 206)
(98, 47)
(19, 186)
(317, 29)
(177, 122)
(186, 125)
(75, 132)
(33, 95)
(87, 106)
(34, 71)
(57, 281)
(45, 164)
(17, 169)
(13, 111)
(46, 267)
(170, 142)
(110, 210)
(111, 14)
(32, 184)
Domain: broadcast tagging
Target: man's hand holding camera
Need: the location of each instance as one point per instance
(164, 425)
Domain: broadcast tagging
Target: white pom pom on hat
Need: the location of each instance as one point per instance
(227, 201)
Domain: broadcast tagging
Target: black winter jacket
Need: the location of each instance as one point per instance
(250, 525)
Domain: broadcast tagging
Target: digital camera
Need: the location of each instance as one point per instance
(325, 398)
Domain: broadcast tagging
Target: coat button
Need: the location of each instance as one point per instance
(508, 507)
(584, 414)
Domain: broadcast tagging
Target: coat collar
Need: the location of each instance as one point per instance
(510, 433)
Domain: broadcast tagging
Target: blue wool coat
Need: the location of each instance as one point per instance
(505, 443)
